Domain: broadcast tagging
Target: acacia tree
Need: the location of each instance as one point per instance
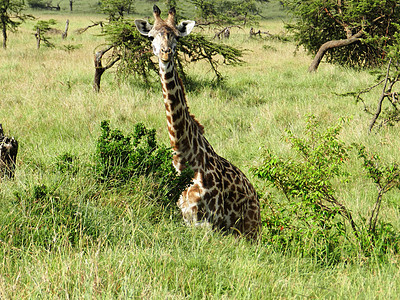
(132, 53)
(347, 32)
(11, 16)
(41, 28)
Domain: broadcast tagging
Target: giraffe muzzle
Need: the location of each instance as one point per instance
(166, 55)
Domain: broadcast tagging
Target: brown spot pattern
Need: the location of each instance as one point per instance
(220, 194)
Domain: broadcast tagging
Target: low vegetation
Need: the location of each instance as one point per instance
(91, 210)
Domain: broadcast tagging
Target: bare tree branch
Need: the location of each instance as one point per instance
(379, 108)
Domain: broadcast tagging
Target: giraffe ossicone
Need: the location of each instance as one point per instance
(220, 194)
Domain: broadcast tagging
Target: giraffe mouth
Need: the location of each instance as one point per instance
(166, 57)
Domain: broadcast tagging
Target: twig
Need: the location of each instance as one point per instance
(82, 30)
(379, 108)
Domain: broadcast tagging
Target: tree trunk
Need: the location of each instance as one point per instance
(38, 38)
(65, 33)
(329, 45)
(99, 70)
(4, 29)
(8, 155)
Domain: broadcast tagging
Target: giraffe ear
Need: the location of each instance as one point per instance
(185, 27)
(143, 26)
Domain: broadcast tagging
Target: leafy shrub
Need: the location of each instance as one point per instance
(313, 220)
(312, 208)
(385, 177)
(71, 211)
(123, 159)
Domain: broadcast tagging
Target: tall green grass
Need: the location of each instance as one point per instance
(125, 245)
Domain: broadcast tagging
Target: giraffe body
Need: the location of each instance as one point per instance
(220, 194)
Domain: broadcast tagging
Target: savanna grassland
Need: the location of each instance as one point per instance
(90, 240)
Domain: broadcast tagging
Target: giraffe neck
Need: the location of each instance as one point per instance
(185, 133)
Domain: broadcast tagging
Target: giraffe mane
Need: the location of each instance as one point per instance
(199, 125)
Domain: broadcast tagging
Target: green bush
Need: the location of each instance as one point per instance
(313, 220)
(123, 159)
(75, 207)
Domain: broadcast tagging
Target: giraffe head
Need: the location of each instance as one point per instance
(164, 33)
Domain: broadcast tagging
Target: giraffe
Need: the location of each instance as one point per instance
(220, 195)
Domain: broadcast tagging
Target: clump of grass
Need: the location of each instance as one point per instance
(128, 167)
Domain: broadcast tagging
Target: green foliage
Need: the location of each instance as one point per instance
(10, 10)
(44, 26)
(385, 177)
(70, 47)
(313, 215)
(197, 47)
(136, 51)
(41, 28)
(122, 159)
(312, 206)
(116, 9)
(65, 213)
(321, 21)
(11, 16)
(39, 4)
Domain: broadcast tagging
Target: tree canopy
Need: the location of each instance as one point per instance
(135, 51)
(115, 9)
(348, 32)
(11, 16)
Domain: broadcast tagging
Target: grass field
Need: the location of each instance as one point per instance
(125, 245)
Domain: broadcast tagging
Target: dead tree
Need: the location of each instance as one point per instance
(8, 155)
(389, 94)
(65, 33)
(99, 69)
(392, 114)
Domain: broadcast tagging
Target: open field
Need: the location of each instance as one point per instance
(128, 247)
